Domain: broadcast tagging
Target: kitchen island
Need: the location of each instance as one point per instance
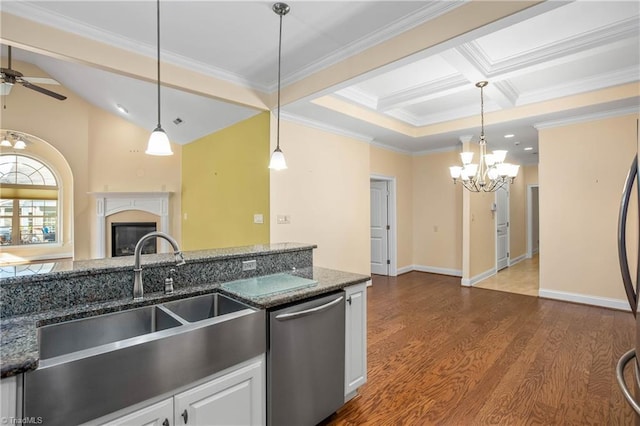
(205, 273)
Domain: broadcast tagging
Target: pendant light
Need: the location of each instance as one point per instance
(277, 158)
(158, 141)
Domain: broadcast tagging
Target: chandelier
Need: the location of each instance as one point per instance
(491, 172)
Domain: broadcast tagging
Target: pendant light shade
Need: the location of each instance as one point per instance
(277, 158)
(158, 141)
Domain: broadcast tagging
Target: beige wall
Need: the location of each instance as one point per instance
(325, 192)
(518, 217)
(581, 173)
(437, 213)
(393, 164)
(100, 148)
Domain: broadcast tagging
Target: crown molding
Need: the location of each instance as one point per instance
(386, 147)
(601, 81)
(44, 16)
(424, 92)
(588, 117)
(560, 50)
(359, 96)
(435, 150)
(431, 11)
(294, 118)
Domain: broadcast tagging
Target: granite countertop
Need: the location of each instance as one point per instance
(69, 268)
(18, 337)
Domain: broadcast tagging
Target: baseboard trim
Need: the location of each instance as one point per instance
(437, 270)
(605, 302)
(405, 269)
(517, 259)
(470, 282)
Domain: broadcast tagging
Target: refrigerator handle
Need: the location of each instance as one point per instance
(622, 236)
(622, 362)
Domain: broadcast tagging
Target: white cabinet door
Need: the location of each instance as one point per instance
(8, 393)
(356, 339)
(236, 398)
(159, 414)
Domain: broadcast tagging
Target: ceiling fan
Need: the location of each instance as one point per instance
(10, 77)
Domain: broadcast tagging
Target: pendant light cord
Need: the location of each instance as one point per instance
(482, 113)
(158, 56)
(279, 63)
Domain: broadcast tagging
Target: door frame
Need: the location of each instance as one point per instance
(495, 225)
(529, 220)
(392, 214)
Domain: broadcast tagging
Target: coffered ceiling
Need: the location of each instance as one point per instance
(400, 74)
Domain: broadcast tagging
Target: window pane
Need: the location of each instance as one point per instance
(38, 221)
(21, 170)
(6, 207)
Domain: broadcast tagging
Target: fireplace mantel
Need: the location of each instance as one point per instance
(108, 203)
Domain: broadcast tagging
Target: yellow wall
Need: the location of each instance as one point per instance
(581, 174)
(325, 192)
(92, 141)
(393, 164)
(225, 181)
(437, 213)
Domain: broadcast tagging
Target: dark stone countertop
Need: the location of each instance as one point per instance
(18, 336)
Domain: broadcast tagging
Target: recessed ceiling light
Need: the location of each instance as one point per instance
(528, 148)
(510, 135)
(122, 109)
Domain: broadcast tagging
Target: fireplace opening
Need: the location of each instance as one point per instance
(125, 236)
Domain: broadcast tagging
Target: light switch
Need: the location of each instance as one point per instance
(284, 219)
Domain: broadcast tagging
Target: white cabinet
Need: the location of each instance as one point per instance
(158, 414)
(356, 339)
(8, 393)
(236, 398)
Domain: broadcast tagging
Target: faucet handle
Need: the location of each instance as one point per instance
(168, 282)
(179, 259)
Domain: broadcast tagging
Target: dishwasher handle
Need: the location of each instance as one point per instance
(292, 315)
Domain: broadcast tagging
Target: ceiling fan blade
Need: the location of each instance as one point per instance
(40, 80)
(43, 90)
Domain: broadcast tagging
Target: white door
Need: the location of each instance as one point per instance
(379, 228)
(159, 414)
(502, 227)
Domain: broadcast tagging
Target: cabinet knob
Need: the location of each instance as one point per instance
(166, 422)
(185, 416)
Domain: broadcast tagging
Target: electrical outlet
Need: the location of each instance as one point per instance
(258, 218)
(249, 265)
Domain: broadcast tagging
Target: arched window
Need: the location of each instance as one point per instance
(28, 201)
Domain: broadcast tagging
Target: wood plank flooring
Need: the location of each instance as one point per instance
(442, 354)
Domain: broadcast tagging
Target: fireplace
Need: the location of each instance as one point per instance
(125, 236)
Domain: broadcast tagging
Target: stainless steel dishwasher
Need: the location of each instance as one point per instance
(305, 373)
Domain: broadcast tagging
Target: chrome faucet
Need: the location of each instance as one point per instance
(137, 269)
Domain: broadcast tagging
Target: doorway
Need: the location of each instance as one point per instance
(533, 222)
(383, 225)
(502, 227)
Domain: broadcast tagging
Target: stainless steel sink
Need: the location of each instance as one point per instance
(202, 307)
(72, 336)
(95, 366)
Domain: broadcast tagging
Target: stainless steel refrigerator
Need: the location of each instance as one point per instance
(630, 191)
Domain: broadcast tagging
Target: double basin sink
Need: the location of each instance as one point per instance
(94, 366)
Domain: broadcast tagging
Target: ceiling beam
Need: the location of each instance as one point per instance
(49, 41)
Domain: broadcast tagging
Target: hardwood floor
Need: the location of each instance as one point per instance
(521, 278)
(442, 354)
